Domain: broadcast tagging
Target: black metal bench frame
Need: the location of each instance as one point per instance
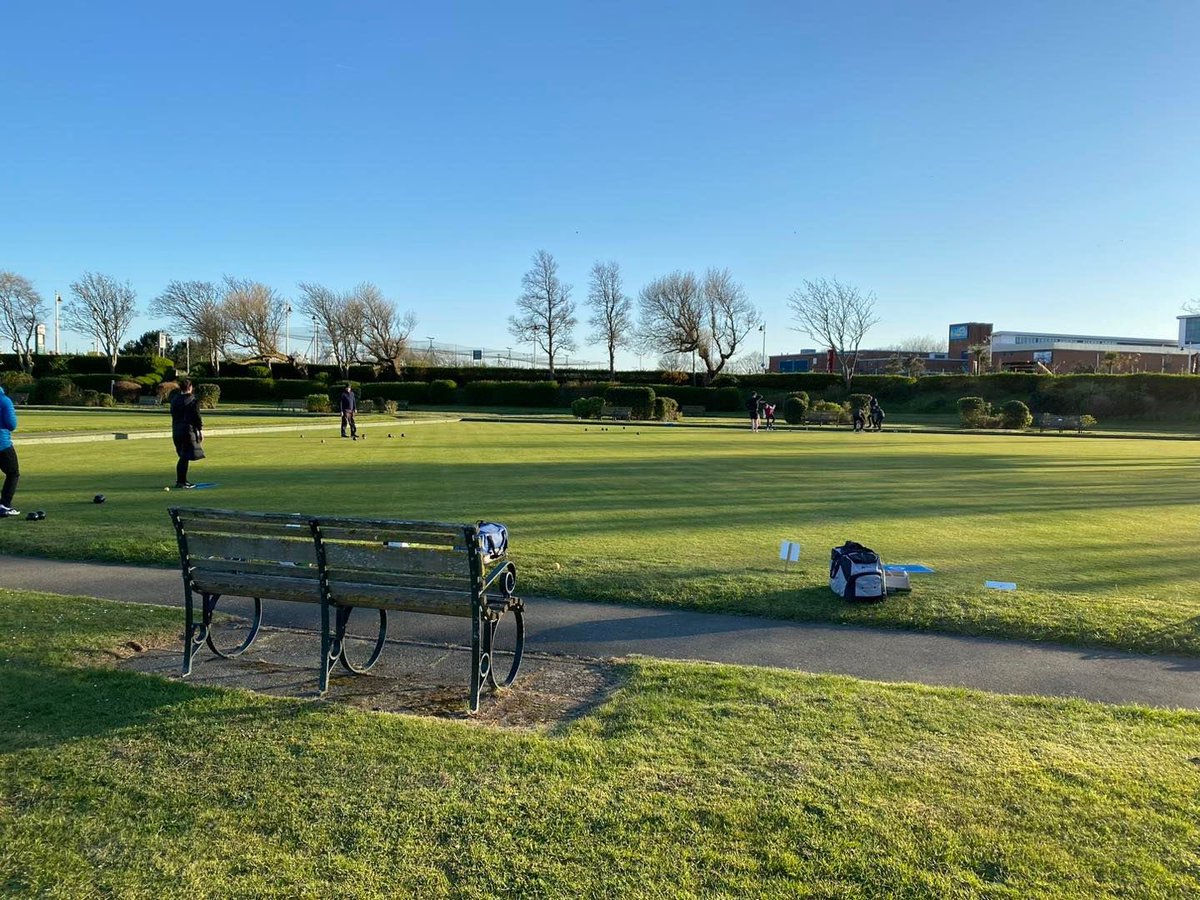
(1061, 423)
(491, 592)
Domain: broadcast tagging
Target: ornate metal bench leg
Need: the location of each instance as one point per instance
(193, 634)
(478, 629)
(210, 605)
(328, 657)
(343, 617)
(519, 650)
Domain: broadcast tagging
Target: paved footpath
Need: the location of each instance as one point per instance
(604, 630)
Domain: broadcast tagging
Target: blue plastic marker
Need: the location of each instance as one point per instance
(911, 568)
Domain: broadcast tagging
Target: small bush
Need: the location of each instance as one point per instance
(208, 395)
(54, 390)
(321, 378)
(388, 407)
(1015, 414)
(588, 407)
(859, 401)
(105, 400)
(638, 399)
(795, 408)
(724, 380)
(90, 398)
(1086, 421)
(366, 407)
(666, 409)
(442, 391)
(973, 412)
(16, 382)
(258, 371)
(165, 391)
(318, 403)
(127, 391)
(673, 377)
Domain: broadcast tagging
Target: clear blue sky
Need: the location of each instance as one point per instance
(1032, 164)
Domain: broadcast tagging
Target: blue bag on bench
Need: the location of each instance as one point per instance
(493, 539)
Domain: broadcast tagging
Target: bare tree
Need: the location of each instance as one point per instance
(921, 343)
(731, 316)
(752, 363)
(385, 330)
(711, 318)
(839, 315)
(196, 309)
(256, 313)
(103, 309)
(341, 317)
(671, 314)
(611, 319)
(21, 306)
(545, 312)
(981, 357)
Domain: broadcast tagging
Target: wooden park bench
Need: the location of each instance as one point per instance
(822, 417)
(1061, 423)
(618, 413)
(149, 400)
(19, 399)
(693, 410)
(344, 564)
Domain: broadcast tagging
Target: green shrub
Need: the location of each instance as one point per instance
(859, 401)
(248, 390)
(638, 399)
(148, 381)
(587, 407)
(1086, 421)
(90, 398)
(208, 395)
(666, 409)
(724, 380)
(292, 389)
(795, 408)
(54, 390)
(258, 371)
(366, 407)
(388, 406)
(973, 412)
(512, 393)
(318, 403)
(105, 400)
(1015, 414)
(16, 382)
(442, 391)
(321, 378)
(829, 406)
(126, 391)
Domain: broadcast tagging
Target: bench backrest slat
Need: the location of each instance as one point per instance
(390, 557)
(298, 550)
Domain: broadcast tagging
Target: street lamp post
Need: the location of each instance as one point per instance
(287, 330)
(763, 329)
(57, 306)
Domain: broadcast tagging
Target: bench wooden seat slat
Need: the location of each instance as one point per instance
(266, 587)
(382, 556)
(409, 599)
(298, 550)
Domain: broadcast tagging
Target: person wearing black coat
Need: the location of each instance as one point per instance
(187, 430)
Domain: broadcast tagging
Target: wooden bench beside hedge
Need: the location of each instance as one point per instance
(1061, 423)
(822, 417)
(343, 564)
(617, 413)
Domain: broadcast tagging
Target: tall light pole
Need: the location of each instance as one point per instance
(57, 306)
(287, 330)
(763, 329)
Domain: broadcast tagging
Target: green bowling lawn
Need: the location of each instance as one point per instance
(1101, 536)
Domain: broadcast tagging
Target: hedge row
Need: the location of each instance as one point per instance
(48, 364)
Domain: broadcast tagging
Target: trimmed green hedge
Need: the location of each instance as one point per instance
(539, 394)
(639, 399)
(722, 399)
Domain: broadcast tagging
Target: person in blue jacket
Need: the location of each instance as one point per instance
(8, 456)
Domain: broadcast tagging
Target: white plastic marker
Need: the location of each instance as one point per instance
(789, 552)
(1001, 585)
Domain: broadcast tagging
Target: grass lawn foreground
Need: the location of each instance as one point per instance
(1100, 536)
(693, 780)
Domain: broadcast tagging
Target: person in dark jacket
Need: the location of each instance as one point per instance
(349, 404)
(876, 414)
(187, 430)
(8, 456)
(754, 407)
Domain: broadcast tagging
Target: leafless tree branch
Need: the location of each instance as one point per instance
(103, 309)
(838, 315)
(21, 308)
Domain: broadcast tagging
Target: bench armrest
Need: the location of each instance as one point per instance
(505, 574)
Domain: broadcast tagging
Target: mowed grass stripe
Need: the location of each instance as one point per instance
(1100, 536)
(694, 780)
